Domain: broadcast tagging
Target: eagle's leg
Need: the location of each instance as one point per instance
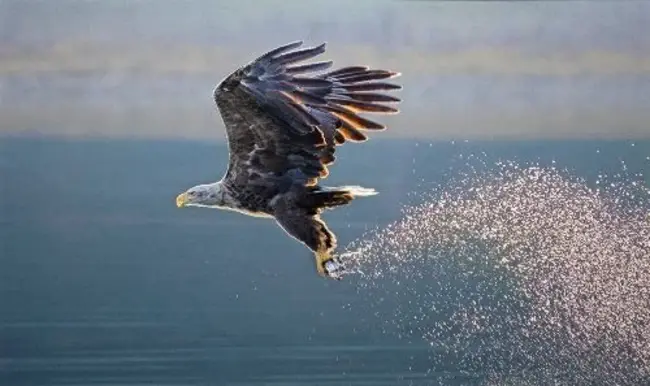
(321, 258)
(327, 266)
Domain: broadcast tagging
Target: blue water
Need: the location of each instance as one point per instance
(104, 281)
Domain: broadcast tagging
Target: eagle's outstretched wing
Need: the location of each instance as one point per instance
(282, 122)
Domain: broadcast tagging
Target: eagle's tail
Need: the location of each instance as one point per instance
(329, 197)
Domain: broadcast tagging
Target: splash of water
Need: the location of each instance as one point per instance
(523, 274)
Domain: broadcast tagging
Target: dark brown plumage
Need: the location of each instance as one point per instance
(284, 121)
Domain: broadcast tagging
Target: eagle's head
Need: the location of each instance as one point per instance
(206, 195)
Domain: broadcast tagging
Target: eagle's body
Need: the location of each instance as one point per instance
(282, 132)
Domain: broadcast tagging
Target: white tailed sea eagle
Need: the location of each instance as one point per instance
(283, 122)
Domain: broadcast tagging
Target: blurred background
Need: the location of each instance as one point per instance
(471, 69)
(106, 114)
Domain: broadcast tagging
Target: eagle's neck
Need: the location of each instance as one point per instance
(223, 198)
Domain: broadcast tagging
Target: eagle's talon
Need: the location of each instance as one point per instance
(333, 269)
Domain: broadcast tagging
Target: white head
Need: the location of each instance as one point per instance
(206, 195)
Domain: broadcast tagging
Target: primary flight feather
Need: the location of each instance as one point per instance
(284, 121)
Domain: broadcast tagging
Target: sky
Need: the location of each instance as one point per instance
(146, 69)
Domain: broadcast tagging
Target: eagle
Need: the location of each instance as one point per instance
(284, 119)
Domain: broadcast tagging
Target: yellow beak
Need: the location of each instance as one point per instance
(181, 200)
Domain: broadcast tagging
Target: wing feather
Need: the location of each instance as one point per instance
(298, 56)
(366, 76)
(280, 50)
(280, 112)
(370, 86)
(346, 70)
(312, 67)
(372, 97)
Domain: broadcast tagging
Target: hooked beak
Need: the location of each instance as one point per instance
(181, 200)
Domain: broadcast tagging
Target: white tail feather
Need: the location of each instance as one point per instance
(358, 191)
